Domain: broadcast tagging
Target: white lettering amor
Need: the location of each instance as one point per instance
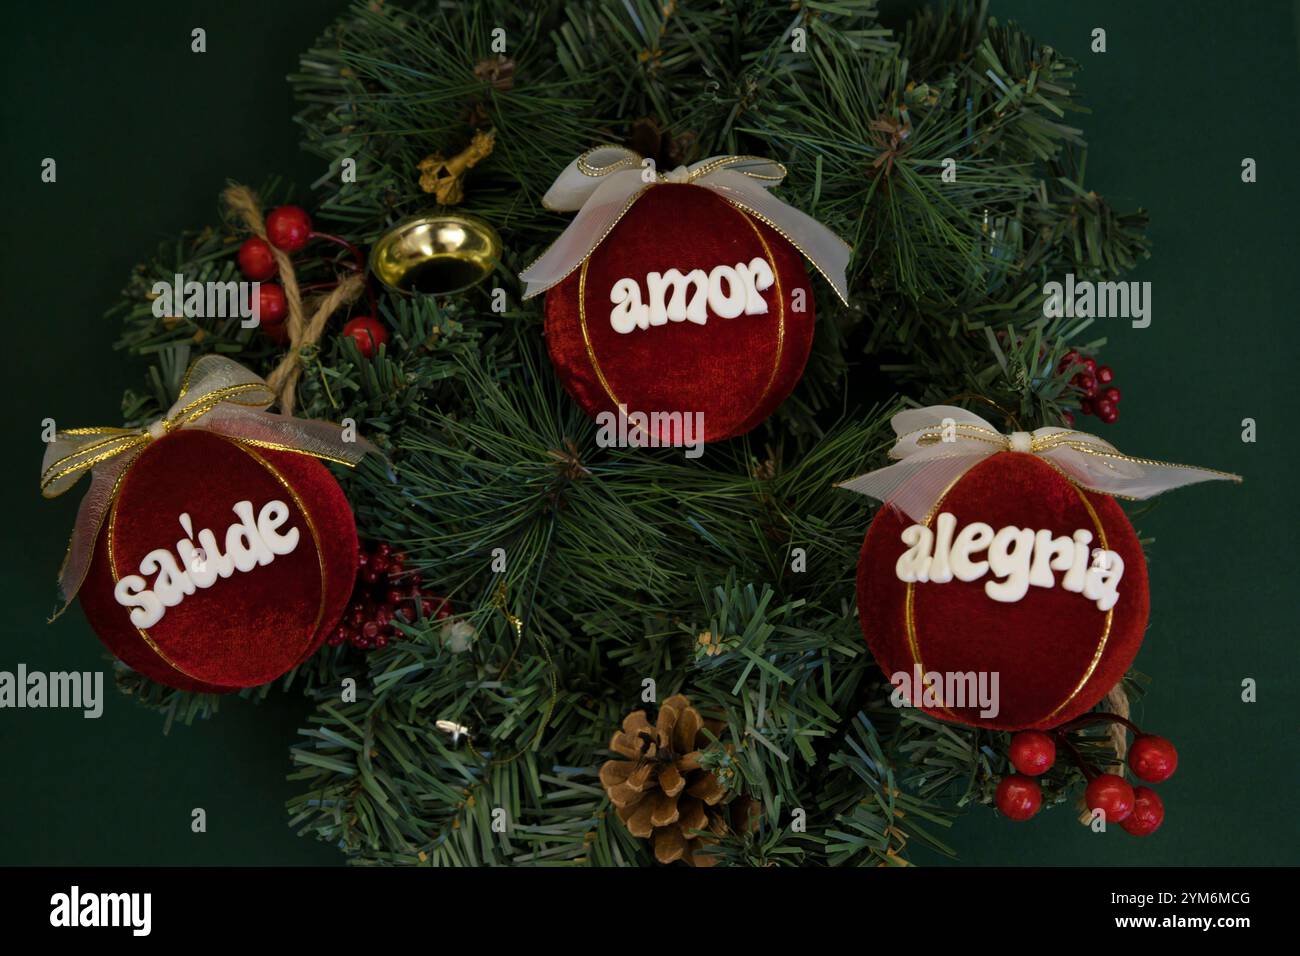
(728, 291)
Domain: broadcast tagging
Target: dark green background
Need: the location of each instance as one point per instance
(145, 134)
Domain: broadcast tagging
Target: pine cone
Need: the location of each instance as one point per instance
(662, 793)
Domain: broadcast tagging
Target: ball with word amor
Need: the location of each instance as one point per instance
(691, 321)
(220, 565)
(1018, 602)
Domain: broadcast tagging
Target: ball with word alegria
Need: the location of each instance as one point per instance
(691, 312)
(1025, 595)
(220, 564)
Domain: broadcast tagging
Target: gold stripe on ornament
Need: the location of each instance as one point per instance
(1106, 625)
(112, 572)
(311, 526)
(909, 604)
(780, 320)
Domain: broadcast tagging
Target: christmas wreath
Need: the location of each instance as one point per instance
(574, 353)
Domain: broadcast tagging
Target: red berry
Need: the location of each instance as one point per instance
(1032, 752)
(288, 228)
(1105, 375)
(1085, 406)
(1111, 394)
(1153, 758)
(1110, 418)
(1110, 794)
(1148, 813)
(1018, 798)
(256, 259)
(367, 333)
(279, 334)
(1105, 408)
(271, 304)
(1088, 384)
(1090, 364)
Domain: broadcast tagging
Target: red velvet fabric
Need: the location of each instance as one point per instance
(1042, 645)
(736, 371)
(253, 626)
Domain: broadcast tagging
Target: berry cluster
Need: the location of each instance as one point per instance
(289, 229)
(1093, 382)
(1138, 810)
(384, 592)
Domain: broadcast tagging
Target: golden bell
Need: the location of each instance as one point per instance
(435, 254)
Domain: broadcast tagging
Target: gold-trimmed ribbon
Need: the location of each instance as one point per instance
(603, 183)
(939, 444)
(218, 395)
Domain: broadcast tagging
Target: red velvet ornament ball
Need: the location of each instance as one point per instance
(1110, 793)
(1032, 752)
(368, 333)
(1148, 813)
(288, 228)
(248, 627)
(1152, 758)
(1018, 798)
(1055, 653)
(256, 260)
(735, 371)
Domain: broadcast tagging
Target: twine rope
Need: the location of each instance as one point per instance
(304, 332)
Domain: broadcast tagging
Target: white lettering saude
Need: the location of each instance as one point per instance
(250, 542)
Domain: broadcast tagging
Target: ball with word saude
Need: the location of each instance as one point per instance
(220, 565)
(1019, 601)
(691, 321)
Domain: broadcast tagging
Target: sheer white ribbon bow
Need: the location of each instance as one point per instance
(602, 184)
(939, 444)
